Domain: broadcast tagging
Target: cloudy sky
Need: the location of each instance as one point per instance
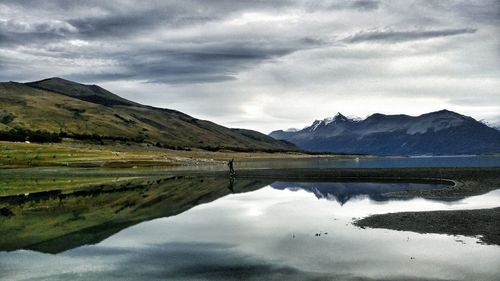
(265, 65)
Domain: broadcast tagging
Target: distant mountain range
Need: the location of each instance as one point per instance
(52, 109)
(436, 133)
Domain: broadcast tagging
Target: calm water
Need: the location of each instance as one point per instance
(380, 162)
(282, 231)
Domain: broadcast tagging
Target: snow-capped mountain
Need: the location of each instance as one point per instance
(494, 125)
(440, 132)
(338, 119)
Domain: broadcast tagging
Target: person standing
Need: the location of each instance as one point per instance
(231, 167)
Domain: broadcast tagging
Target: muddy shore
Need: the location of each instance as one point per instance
(482, 223)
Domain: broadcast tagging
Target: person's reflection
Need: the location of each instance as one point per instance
(231, 184)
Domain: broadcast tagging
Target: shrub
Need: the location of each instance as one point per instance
(20, 134)
(6, 117)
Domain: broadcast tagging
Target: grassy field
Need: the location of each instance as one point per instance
(22, 155)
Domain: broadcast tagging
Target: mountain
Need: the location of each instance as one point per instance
(62, 108)
(494, 125)
(90, 93)
(435, 133)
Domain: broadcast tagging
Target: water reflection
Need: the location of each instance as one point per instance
(343, 192)
(262, 231)
(57, 220)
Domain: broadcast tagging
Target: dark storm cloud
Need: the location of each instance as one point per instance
(401, 36)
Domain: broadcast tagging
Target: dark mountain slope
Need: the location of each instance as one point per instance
(441, 132)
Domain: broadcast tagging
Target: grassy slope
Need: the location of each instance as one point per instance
(57, 105)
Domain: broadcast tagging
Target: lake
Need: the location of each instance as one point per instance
(380, 162)
(246, 230)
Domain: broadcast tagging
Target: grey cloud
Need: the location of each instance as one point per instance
(178, 63)
(401, 36)
(485, 11)
(480, 101)
(201, 59)
(214, 62)
(15, 32)
(140, 21)
(126, 18)
(363, 5)
(366, 5)
(50, 26)
(291, 49)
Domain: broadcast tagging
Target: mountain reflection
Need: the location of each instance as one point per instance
(57, 220)
(342, 192)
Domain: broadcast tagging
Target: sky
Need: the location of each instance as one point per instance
(265, 65)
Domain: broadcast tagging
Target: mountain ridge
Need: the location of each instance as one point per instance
(439, 132)
(68, 109)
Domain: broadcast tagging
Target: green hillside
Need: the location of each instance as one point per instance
(90, 113)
